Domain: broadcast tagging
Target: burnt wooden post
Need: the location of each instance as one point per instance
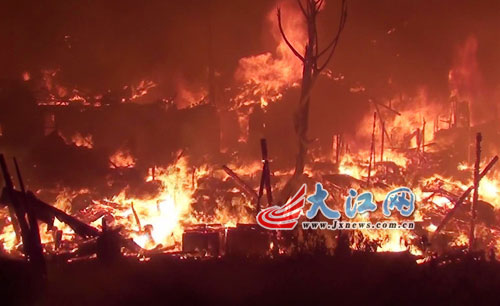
(423, 136)
(136, 216)
(265, 180)
(372, 148)
(475, 195)
(35, 241)
(108, 244)
(382, 142)
(381, 117)
(338, 145)
(243, 186)
(32, 252)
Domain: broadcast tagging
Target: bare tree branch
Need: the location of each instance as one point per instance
(310, 72)
(333, 45)
(343, 18)
(297, 54)
(302, 8)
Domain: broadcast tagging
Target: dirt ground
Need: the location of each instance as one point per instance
(376, 279)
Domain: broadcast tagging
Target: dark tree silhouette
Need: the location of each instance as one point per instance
(314, 60)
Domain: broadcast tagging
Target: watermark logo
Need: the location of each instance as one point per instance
(286, 217)
(318, 203)
(283, 217)
(402, 199)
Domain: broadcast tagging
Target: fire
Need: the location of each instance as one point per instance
(409, 134)
(415, 115)
(56, 90)
(489, 189)
(173, 206)
(266, 75)
(141, 89)
(408, 125)
(464, 78)
(189, 96)
(7, 236)
(26, 76)
(161, 219)
(80, 140)
(122, 159)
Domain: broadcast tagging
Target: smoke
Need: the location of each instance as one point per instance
(102, 44)
(388, 48)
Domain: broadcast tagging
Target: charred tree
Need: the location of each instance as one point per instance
(314, 60)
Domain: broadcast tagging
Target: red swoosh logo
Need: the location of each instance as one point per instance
(283, 217)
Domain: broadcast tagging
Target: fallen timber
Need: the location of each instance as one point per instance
(462, 198)
(26, 210)
(46, 213)
(265, 181)
(241, 184)
(475, 195)
(98, 242)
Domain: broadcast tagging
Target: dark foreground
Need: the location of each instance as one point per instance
(385, 279)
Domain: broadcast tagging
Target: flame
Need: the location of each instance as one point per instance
(158, 220)
(164, 217)
(141, 89)
(48, 77)
(489, 190)
(402, 149)
(80, 140)
(122, 159)
(7, 236)
(26, 76)
(465, 78)
(266, 75)
(189, 96)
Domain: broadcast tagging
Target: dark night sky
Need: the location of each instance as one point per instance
(119, 42)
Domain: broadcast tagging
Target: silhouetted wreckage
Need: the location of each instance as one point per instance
(213, 239)
(24, 205)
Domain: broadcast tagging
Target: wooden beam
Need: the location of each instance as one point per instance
(243, 186)
(43, 211)
(36, 244)
(17, 208)
(475, 195)
(462, 198)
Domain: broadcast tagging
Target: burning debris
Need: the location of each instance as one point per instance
(166, 209)
(147, 170)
